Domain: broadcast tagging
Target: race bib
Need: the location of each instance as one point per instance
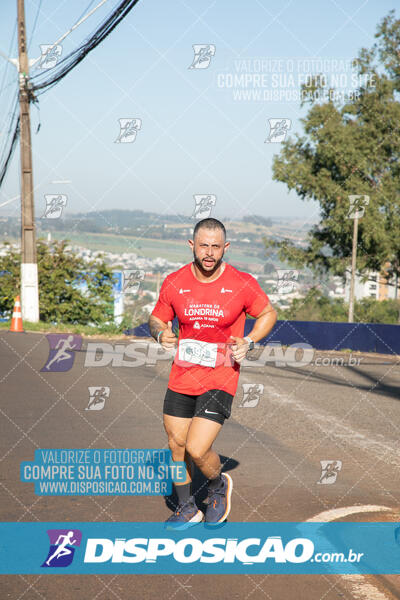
(197, 352)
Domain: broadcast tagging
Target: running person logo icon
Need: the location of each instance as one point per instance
(203, 54)
(278, 130)
(49, 55)
(251, 394)
(287, 281)
(61, 352)
(55, 204)
(329, 471)
(128, 130)
(97, 397)
(131, 281)
(203, 205)
(62, 550)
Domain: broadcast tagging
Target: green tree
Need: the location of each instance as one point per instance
(315, 306)
(70, 290)
(350, 148)
(369, 310)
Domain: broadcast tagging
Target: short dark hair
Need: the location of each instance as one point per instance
(209, 224)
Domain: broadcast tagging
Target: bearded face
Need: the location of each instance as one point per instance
(208, 249)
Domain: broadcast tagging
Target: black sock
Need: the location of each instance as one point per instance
(215, 483)
(183, 492)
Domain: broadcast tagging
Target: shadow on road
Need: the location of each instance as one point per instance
(373, 383)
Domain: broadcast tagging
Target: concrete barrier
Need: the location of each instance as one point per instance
(364, 337)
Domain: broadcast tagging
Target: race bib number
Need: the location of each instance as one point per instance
(197, 352)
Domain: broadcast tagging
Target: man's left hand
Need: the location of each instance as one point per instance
(239, 347)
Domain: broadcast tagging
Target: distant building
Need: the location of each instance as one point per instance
(339, 288)
(372, 285)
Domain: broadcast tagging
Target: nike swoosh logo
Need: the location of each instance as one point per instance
(210, 412)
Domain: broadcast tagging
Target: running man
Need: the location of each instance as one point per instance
(62, 549)
(210, 299)
(63, 346)
(99, 396)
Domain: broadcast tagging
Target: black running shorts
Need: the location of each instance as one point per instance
(213, 404)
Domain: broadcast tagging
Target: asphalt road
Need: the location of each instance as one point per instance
(272, 445)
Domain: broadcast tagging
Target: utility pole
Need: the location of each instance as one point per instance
(353, 269)
(29, 270)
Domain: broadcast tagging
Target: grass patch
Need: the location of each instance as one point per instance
(85, 330)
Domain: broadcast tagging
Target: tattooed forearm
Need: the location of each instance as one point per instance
(155, 326)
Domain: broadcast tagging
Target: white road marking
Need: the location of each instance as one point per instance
(388, 452)
(339, 513)
(360, 588)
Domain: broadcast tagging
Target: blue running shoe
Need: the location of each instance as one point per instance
(219, 500)
(186, 514)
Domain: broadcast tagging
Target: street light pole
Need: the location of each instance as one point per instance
(29, 270)
(353, 269)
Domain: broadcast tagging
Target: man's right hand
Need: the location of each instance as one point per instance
(168, 339)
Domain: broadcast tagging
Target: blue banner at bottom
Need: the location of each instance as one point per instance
(144, 548)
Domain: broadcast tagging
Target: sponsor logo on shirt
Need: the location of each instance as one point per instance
(196, 325)
(181, 291)
(200, 311)
(225, 291)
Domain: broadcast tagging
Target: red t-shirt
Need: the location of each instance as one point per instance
(207, 312)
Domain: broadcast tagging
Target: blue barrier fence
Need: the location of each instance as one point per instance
(364, 337)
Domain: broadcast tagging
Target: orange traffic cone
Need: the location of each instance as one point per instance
(16, 321)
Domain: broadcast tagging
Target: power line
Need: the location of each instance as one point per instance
(53, 47)
(71, 29)
(9, 143)
(35, 23)
(85, 11)
(43, 82)
(7, 63)
(5, 86)
(14, 139)
(13, 111)
(65, 66)
(10, 200)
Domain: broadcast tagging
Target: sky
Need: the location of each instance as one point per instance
(199, 130)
